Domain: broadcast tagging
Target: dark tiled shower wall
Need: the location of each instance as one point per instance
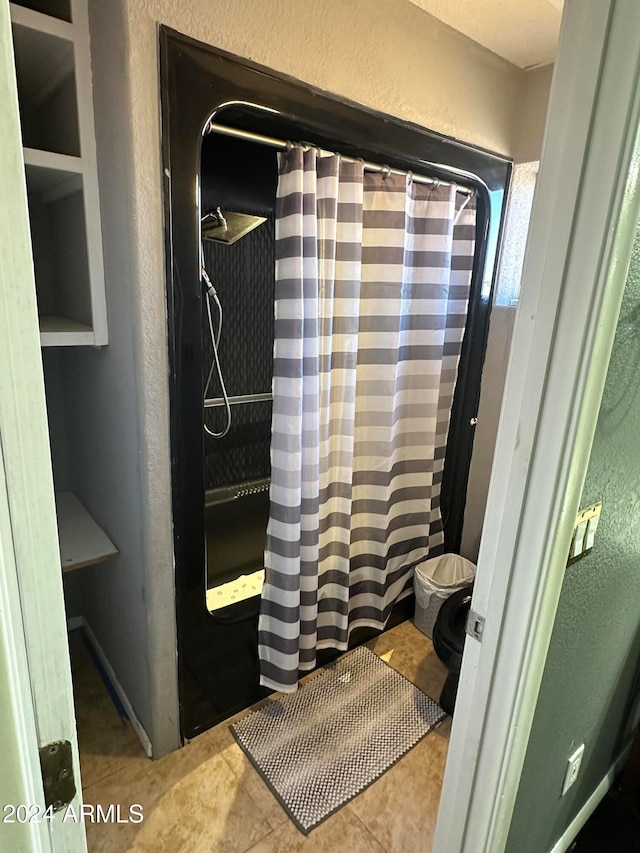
(243, 274)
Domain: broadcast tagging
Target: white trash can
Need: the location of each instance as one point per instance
(434, 581)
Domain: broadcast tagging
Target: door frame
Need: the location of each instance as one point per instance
(584, 218)
(34, 650)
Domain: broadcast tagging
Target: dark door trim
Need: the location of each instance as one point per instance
(196, 81)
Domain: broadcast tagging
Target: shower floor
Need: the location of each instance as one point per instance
(236, 523)
(240, 589)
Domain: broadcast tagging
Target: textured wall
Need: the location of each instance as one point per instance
(389, 55)
(531, 43)
(533, 114)
(112, 458)
(590, 683)
(494, 374)
(523, 183)
(57, 417)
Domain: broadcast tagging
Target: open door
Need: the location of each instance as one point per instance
(36, 700)
(584, 217)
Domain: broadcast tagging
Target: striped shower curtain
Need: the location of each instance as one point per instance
(372, 284)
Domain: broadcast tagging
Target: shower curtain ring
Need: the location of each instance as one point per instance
(386, 171)
(289, 145)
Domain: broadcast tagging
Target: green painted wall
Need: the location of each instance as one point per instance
(591, 676)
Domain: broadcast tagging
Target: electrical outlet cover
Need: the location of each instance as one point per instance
(573, 768)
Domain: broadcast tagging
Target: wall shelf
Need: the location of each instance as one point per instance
(52, 175)
(45, 69)
(63, 332)
(60, 258)
(82, 540)
(53, 161)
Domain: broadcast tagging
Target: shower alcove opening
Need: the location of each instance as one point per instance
(220, 485)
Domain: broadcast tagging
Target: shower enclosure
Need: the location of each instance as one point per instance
(238, 177)
(220, 485)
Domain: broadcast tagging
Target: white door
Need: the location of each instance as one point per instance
(584, 217)
(36, 699)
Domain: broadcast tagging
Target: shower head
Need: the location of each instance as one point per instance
(228, 228)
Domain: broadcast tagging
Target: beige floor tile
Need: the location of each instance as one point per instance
(412, 656)
(107, 742)
(192, 803)
(208, 797)
(444, 729)
(249, 776)
(401, 807)
(341, 833)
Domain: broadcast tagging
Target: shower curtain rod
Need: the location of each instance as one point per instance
(282, 144)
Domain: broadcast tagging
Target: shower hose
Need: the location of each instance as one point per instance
(212, 296)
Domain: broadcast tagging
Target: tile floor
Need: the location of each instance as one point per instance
(208, 797)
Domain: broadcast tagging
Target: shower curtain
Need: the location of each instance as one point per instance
(373, 272)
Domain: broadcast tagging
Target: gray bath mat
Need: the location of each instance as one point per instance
(319, 747)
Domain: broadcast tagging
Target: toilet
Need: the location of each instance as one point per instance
(448, 642)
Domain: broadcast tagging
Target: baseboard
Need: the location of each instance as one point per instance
(81, 622)
(570, 833)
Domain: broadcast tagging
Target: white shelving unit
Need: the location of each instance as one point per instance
(53, 67)
(53, 71)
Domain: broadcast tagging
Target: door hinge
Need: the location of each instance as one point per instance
(56, 763)
(475, 625)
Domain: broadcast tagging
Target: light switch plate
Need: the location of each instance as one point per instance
(585, 531)
(592, 526)
(578, 539)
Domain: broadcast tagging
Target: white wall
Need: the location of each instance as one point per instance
(498, 348)
(529, 124)
(532, 116)
(388, 55)
(494, 374)
(112, 446)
